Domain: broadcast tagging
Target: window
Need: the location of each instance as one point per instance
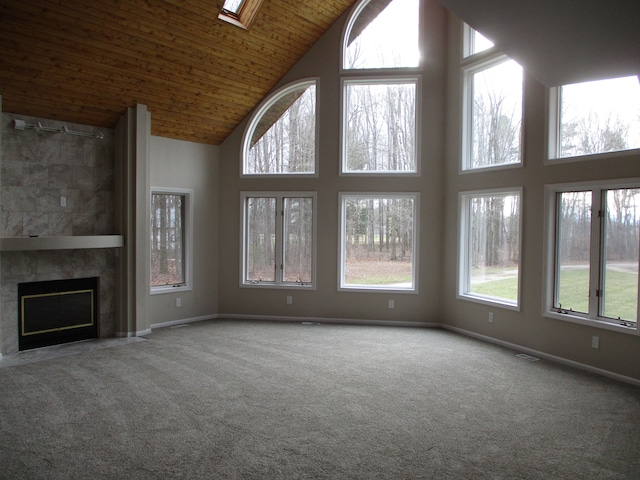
(240, 13)
(379, 126)
(383, 34)
(279, 239)
(593, 253)
(595, 117)
(490, 246)
(281, 137)
(170, 240)
(492, 127)
(378, 247)
(474, 42)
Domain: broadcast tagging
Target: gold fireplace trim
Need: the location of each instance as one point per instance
(57, 329)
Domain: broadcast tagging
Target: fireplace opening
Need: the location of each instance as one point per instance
(57, 311)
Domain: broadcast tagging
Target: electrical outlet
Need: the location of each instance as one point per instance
(595, 342)
(63, 201)
(178, 302)
(289, 299)
(490, 317)
(392, 304)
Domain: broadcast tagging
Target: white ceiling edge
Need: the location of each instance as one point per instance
(560, 42)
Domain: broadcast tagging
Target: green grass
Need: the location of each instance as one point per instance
(506, 288)
(621, 291)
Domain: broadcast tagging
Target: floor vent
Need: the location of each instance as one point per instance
(528, 358)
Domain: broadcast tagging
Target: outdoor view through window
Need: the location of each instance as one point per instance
(599, 117)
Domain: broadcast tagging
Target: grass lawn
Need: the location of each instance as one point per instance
(621, 291)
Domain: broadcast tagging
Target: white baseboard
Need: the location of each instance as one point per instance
(546, 356)
(183, 321)
(335, 321)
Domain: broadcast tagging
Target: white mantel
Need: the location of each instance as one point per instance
(8, 244)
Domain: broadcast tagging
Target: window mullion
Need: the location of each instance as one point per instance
(279, 246)
(595, 271)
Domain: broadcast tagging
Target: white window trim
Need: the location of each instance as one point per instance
(243, 235)
(470, 66)
(553, 136)
(188, 245)
(592, 319)
(414, 289)
(262, 108)
(381, 80)
(467, 37)
(463, 274)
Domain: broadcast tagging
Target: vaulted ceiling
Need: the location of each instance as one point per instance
(87, 61)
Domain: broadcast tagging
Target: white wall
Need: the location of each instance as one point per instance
(618, 352)
(188, 165)
(326, 302)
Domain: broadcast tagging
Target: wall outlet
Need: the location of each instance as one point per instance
(178, 302)
(392, 304)
(595, 342)
(490, 317)
(289, 299)
(63, 201)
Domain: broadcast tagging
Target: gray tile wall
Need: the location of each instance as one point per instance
(37, 169)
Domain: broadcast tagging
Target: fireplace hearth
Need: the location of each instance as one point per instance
(57, 311)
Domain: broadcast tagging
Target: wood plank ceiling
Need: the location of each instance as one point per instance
(87, 61)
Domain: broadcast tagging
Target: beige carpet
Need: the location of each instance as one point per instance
(254, 400)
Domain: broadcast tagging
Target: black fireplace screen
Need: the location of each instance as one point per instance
(57, 311)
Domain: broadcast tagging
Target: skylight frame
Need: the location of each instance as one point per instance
(245, 15)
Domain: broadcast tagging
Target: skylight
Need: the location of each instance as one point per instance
(232, 6)
(240, 12)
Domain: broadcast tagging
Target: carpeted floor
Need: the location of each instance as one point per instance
(261, 400)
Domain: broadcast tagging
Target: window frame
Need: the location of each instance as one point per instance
(278, 283)
(390, 79)
(469, 66)
(187, 246)
(468, 44)
(257, 115)
(245, 15)
(342, 287)
(463, 280)
(549, 287)
(554, 136)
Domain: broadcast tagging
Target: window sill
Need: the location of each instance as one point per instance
(494, 302)
(279, 286)
(374, 289)
(593, 156)
(603, 324)
(170, 289)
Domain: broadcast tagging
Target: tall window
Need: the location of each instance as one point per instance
(594, 234)
(170, 240)
(378, 248)
(383, 34)
(380, 125)
(595, 117)
(278, 239)
(281, 137)
(490, 246)
(380, 113)
(492, 128)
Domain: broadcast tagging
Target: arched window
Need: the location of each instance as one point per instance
(281, 136)
(383, 34)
